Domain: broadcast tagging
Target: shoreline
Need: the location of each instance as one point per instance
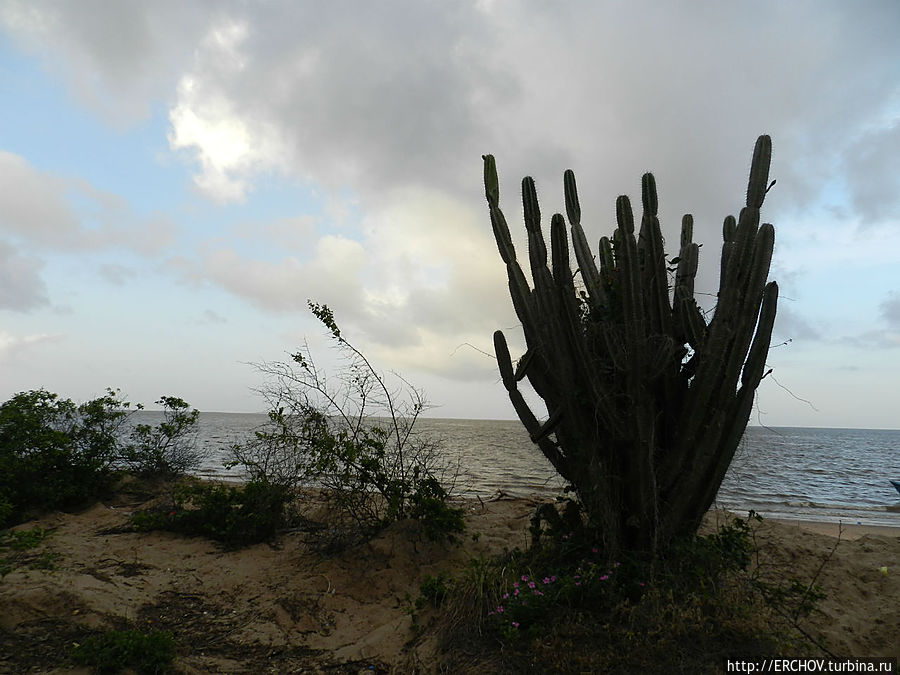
(845, 531)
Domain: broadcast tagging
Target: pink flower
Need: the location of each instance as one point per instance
(546, 580)
(530, 584)
(515, 592)
(524, 578)
(604, 577)
(515, 624)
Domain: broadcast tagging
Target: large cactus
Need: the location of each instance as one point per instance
(646, 400)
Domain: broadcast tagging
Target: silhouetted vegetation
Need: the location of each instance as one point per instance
(353, 437)
(561, 606)
(56, 454)
(646, 399)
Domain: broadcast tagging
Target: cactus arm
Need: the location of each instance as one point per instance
(752, 296)
(688, 256)
(758, 184)
(589, 273)
(759, 350)
(536, 431)
(653, 267)
(742, 405)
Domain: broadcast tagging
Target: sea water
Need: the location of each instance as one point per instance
(815, 474)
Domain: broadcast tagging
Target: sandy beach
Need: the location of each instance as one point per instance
(848, 531)
(285, 608)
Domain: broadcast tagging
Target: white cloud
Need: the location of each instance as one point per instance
(14, 345)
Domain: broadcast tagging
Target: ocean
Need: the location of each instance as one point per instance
(832, 475)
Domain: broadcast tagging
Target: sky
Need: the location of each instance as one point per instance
(178, 179)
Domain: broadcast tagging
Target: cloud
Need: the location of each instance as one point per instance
(118, 66)
(393, 104)
(874, 339)
(21, 287)
(212, 317)
(33, 205)
(880, 337)
(14, 346)
(118, 275)
(371, 98)
(367, 100)
(791, 325)
(890, 309)
(330, 276)
(47, 211)
(873, 174)
(420, 277)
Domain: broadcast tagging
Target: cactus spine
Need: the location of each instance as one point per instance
(647, 401)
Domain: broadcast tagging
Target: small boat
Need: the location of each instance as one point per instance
(896, 484)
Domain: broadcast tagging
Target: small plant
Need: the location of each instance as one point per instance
(23, 540)
(564, 606)
(355, 441)
(19, 548)
(234, 515)
(113, 651)
(433, 590)
(169, 448)
(429, 506)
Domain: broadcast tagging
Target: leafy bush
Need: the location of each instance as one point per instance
(168, 449)
(147, 653)
(356, 441)
(234, 515)
(54, 453)
(58, 454)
